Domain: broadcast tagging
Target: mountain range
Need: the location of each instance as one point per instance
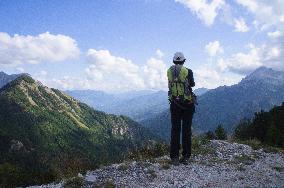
(227, 105)
(5, 78)
(46, 134)
(138, 105)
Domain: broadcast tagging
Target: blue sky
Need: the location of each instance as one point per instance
(128, 44)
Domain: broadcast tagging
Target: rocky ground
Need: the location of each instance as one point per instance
(222, 164)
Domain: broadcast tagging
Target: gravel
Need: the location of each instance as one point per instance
(230, 165)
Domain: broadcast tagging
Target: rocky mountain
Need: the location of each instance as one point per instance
(223, 164)
(227, 105)
(5, 78)
(200, 91)
(46, 134)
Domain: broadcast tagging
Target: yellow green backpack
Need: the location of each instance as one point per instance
(178, 83)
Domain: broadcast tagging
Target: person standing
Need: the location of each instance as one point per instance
(182, 108)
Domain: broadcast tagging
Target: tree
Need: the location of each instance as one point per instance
(210, 135)
(220, 133)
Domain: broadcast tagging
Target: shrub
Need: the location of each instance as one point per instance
(220, 133)
(74, 182)
(267, 127)
(210, 135)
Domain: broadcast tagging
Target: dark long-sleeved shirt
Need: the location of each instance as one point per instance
(190, 78)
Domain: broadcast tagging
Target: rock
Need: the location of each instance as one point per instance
(16, 146)
(232, 165)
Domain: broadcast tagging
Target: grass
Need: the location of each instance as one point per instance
(253, 143)
(166, 166)
(165, 163)
(200, 145)
(74, 182)
(109, 183)
(247, 160)
(256, 145)
(278, 168)
(123, 167)
(152, 173)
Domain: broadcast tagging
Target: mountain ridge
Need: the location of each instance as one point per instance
(43, 131)
(5, 78)
(227, 105)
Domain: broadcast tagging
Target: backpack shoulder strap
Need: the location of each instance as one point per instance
(175, 72)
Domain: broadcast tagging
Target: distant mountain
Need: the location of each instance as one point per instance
(227, 105)
(142, 107)
(97, 99)
(200, 91)
(43, 132)
(5, 78)
(138, 105)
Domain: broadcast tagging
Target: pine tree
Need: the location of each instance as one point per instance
(220, 133)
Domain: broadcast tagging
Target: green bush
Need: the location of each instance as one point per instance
(75, 182)
(267, 127)
(149, 151)
(220, 133)
(210, 135)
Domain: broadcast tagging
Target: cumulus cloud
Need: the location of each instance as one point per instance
(240, 25)
(205, 11)
(159, 53)
(45, 47)
(209, 76)
(266, 12)
(244, 63)
(115, 72)
(111, 73)
(274, 35)
(20, 69)
(213, 48)
(154, 73)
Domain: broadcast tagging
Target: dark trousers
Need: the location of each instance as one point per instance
(181, 121)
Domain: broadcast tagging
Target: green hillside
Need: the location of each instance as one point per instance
(46, 134)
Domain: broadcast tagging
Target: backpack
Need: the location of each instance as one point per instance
(178, 83)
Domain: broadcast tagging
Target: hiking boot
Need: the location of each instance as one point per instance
(175, 161)
(184, 160)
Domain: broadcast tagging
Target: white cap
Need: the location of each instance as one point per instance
(178, 57)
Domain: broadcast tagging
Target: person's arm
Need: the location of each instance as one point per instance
(190, 78)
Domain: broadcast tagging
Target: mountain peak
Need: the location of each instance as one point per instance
(263, 70)
(265, 74)
(5, 78)
(23, 77)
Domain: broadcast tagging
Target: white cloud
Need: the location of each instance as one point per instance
(274, 35)
(240, 25)
(159, 53)
(20, 69)
(213, 48)
(155, 72)
(244, 63)
(43, 73)
(267, 13)
(252, 5)
(205, 11)
(111, 73)
(114, 72)
(45, 47)
(211, 77)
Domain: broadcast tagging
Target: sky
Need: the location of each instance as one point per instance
(123, 45)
